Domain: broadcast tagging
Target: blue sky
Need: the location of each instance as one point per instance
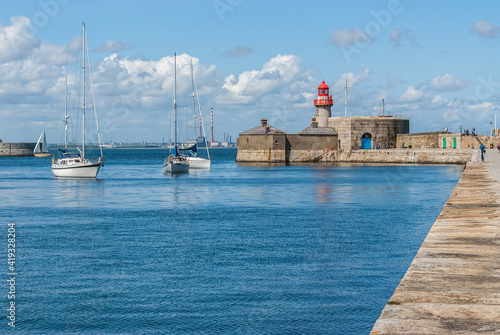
(434, 62)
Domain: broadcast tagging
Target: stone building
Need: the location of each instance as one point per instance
(269, 144)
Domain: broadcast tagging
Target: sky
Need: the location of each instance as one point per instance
(433, 62)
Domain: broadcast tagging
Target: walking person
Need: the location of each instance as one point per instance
(482, 151)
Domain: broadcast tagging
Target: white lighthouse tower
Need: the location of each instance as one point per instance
(323, 105)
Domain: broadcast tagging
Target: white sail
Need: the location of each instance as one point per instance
(41, 148)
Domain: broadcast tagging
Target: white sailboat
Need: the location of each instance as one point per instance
(175, 163)
(196, 162)
(41, 148)
(76, 165)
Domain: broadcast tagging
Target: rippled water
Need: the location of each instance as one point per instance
(236, 250)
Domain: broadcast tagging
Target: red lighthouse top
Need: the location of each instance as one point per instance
(323, 95)
(323, 88)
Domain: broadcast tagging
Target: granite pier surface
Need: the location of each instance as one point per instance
(453, 284)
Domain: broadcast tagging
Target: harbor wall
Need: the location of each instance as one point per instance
(16, 149)
(452, 284)
(286, 148)
(407, 156)
(314, 153)
(446, 141)
(305, 148)
(261, 148)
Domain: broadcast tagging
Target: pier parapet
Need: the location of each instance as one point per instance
(16, 149)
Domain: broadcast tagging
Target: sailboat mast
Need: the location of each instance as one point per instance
(175, 104)
(194, 107)
(345, 94)
(83, 84)
(65, 112)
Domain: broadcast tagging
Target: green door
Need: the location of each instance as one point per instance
(454, 142)
(444, 142)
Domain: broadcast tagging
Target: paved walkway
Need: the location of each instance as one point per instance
(453, 284)
(493, 158)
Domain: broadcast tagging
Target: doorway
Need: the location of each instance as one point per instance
(366, 141)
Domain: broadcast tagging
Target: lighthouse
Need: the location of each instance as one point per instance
(323, 105)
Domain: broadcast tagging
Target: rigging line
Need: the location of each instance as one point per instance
(201, 117)
(194, 106)
(93, 97)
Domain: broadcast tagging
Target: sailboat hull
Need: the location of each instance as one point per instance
(170, 167)
(83, 170)
(199, 163)
(176, 164)
(44, 154)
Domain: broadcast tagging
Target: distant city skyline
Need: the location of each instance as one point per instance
(434, 62)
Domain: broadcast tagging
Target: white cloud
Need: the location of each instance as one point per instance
(448, 82)
(397, 37)
(485, 29)
(15, 40)
(412, 94)
(483, 106)
(439, 101)
(249, 85)
(347, 38)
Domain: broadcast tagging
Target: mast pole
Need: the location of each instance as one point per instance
(65, 111)
(83, 84)
(175, 97)
(194, 107)
(345, 94)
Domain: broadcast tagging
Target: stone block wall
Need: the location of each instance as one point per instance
(473, 142)
(261, 148)
(17, 149)
(418, 141)
(311, 148)
(383, 130)
(286, 148)
(407, 156)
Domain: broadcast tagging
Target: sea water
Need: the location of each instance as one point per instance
(239, 249)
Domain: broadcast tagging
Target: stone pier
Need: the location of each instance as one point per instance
(16, 149)
(453, 284)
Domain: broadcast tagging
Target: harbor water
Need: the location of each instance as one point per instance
(239, 249)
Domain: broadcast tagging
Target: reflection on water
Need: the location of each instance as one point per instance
(77, 192)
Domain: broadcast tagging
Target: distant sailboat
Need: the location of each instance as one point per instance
(196, 162)
(41, 148)
(75, 165)
(175, 163)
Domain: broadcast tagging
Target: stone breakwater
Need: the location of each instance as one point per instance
(407, 156)
(453, 284)
(372, 156)
(17, 149)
